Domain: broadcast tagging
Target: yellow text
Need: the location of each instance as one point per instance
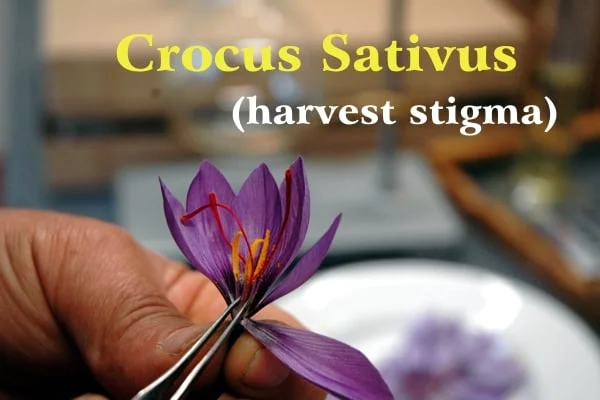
(229, 58)
(340, 56)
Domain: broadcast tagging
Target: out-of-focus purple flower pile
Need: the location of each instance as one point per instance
(442, 360)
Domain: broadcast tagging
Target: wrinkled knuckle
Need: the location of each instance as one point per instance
(60, 250)
(66, 237)
(101, 235)
(137, 323)
(142, 312)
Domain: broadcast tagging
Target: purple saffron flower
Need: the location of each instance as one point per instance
(442, 360)
(246, 243)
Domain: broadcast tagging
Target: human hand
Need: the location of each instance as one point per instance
(87, 309)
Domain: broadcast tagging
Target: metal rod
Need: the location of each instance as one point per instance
(388, 134)
(22, 100)
(201, 366)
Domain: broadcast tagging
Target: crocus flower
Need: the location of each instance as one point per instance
(246, 243)
(442, 360)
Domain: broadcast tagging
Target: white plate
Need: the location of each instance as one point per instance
(367, 304)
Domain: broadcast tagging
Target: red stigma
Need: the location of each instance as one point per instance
(214, 205)
(212, 199)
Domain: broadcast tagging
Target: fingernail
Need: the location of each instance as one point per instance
(264, 371)
(181, 340)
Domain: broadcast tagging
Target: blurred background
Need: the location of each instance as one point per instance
(80, 134)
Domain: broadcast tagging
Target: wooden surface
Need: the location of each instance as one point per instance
(592, 95)
(541, 256)
(85, 79)
(98, 159)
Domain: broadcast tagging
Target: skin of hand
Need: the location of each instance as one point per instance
(86, 309)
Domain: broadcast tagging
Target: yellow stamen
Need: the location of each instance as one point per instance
(235, 255)
(260, 264)
(255, 244)
(250, 266)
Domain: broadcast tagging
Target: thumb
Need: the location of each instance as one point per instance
(101, 286)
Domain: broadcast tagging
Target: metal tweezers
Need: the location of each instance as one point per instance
(166, 383)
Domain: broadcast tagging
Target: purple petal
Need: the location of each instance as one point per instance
(493, 367)
(200, 244)
(332, 365)
(306, 267)
(209, 180)
(442, 358)
(297, 225)
(295, 228)
(436, 345)
(257, 204)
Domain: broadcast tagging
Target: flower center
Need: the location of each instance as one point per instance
(260, 252)
(252, 267)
